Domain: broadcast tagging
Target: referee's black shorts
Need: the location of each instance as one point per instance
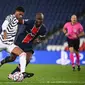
(74, 43)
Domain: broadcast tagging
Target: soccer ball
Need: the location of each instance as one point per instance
(18, 77)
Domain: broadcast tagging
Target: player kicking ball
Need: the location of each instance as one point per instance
(34, 32)
(7, 36)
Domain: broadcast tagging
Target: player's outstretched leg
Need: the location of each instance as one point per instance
(26, 75)
(18, 51)
(8, 59)
(28, 58)
(17, 69)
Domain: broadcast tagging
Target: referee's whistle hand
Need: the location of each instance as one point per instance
(66, 34)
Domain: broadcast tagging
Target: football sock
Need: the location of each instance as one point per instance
(15, 70)
(22, 62)
(8, 59)
(18, 68)
(78, 59)
(72, 59)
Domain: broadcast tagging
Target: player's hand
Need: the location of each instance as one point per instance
(36, 41)
(75, 36)
(66, 34)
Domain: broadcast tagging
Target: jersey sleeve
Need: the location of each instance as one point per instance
(8, 18)
(65, 26)
(81, 28)
(4, 25)
(44, 32)
(6, 22)
(26, 21)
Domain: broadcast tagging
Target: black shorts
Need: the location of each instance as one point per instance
(74, 43)
(26, 47)
(28, 50)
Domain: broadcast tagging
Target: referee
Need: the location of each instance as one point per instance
(73, 30)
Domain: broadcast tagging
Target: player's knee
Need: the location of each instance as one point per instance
(23, 55)
(76, 51)
(71, 49)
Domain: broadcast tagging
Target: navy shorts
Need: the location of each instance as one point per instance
(26, 47)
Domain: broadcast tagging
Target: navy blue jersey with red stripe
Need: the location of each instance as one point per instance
(30, 32)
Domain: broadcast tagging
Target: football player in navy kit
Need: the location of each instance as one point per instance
(34, 32)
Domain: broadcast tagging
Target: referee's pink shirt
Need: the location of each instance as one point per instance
(73, 30)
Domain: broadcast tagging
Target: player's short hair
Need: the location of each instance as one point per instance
(41, 14)
(20, 9)
(73, 15)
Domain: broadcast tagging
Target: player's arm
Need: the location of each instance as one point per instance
(64, 30)
(36, 41)
(41, 36)
(5, 35)
(81, 34)
(39, 39)
(81, 31)
(4, 27)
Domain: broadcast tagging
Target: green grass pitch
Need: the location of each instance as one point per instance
(45, 75)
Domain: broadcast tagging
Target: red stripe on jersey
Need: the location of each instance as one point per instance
(29, 37)
(34, 30)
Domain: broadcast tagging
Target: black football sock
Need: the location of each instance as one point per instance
(15, 70)
(8, 59)
(18, 69)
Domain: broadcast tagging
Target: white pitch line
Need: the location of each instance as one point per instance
(53, 82)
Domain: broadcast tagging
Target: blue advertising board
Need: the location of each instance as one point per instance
(49, 57)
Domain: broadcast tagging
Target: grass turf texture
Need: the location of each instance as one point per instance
(45, 75)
